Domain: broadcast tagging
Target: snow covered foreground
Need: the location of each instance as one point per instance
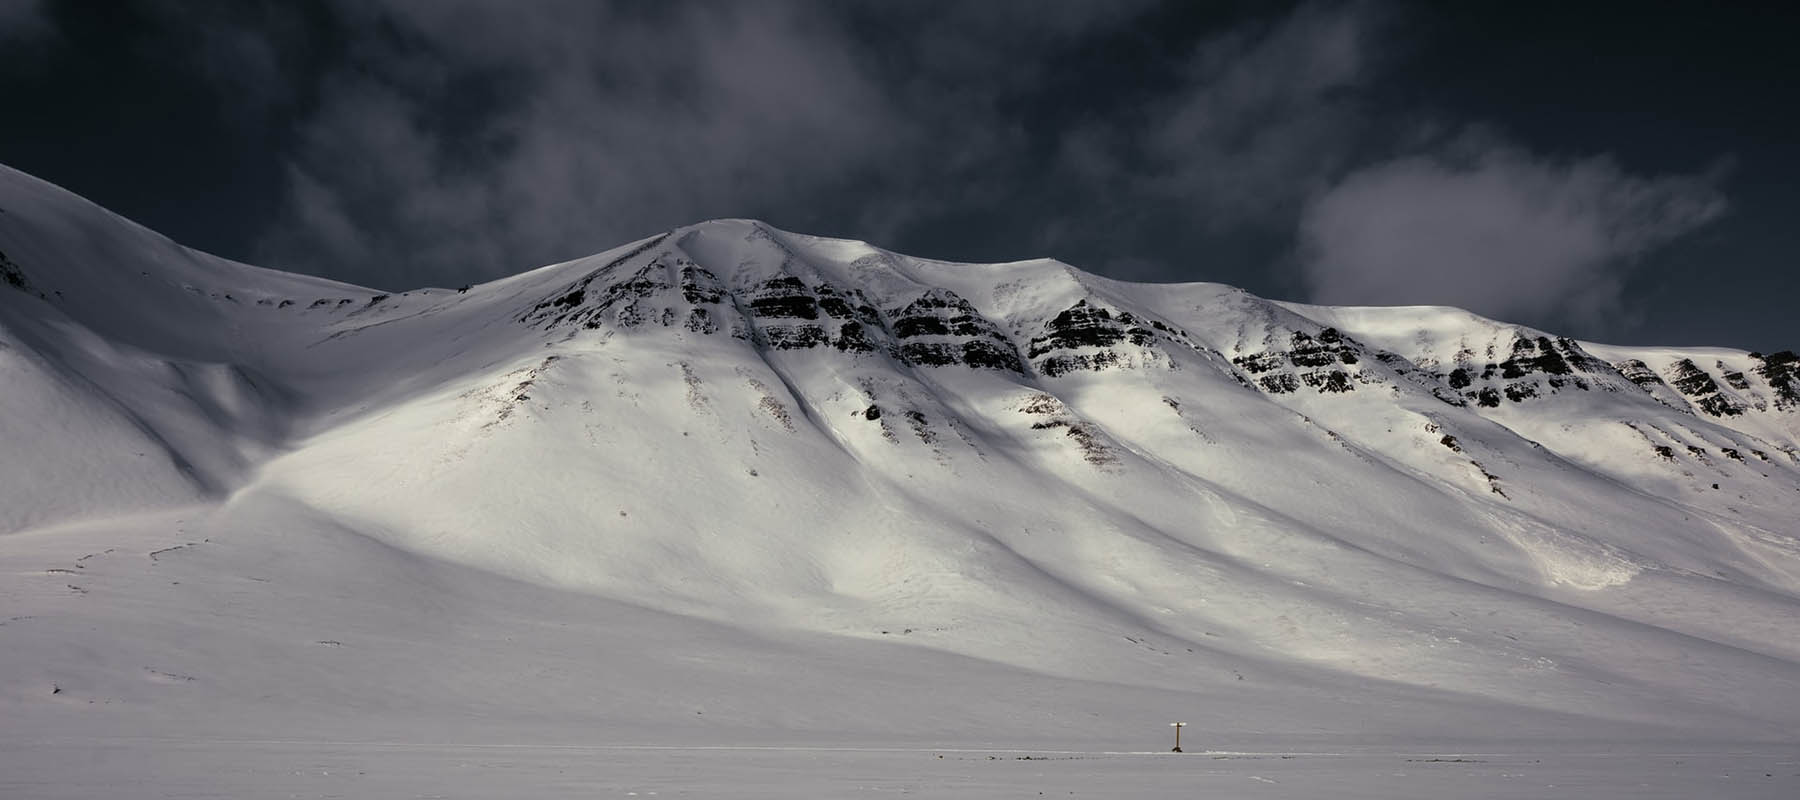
(734, 487)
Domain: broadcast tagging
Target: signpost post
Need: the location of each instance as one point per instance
(1177, 726)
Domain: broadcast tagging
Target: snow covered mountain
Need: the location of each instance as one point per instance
(729, 481)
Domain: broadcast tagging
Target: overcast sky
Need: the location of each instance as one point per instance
(1627, 172)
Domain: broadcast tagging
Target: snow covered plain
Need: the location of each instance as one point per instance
(734, 511)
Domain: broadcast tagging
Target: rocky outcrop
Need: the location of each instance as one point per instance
(1700, 389)
(13, 276)
(1086, 337)
(1534, 367)
(782, 312)
(940, 328)
(794, 307)
(1782, 372)
(1049, 414)
(1639, 373)
(1309, 360)
(591, 301)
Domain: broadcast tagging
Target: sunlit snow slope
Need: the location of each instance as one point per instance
(731, 481)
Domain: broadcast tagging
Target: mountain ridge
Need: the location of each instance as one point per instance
(1018, 464)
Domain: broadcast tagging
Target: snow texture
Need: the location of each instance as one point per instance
(731, 486)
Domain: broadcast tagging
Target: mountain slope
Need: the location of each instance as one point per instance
(739, 454)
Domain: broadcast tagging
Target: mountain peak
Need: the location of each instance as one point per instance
(1016, 469)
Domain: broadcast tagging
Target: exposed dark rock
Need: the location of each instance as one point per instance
(1492, 479)
(834, 306)
(853, 306)
(964, 324)
(1086, 336)
(852, 338)
(873, 412)
(795, 337)
(1451, 442)
(784, 297)
(13, 275)
(1782, 371)
(1093, 450)
(700, 286)
(972, 340)
(930, 354)
(1041, 404)
(1169, 329)
(1518, 392)
(700, 321)
(1086, 325)
(1667, 453)
(629, 315)
(1077, 362)
(986, 354)
(1448, 397)
(1689, 379)
(1559, 361)
(1537, 355)
(1639, 373)
(643, 285)
(580, 304)
(583, 305)
(1328, 380)
(1329, 348)
(1312, 358)
(1719, 405)
(1258, 363)
(1278, 383)
(1487, 398)
(1732, 453)
(921, 426)
(788, 313)
(909, 327)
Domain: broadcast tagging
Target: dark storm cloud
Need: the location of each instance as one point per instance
(1260, 115)
(1284, 148)
(1264, 116)
(471, 139)
(1487, 226)
(22, 21)
(467, 136)
(489, 138)
(247, 50)
(461, 140)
